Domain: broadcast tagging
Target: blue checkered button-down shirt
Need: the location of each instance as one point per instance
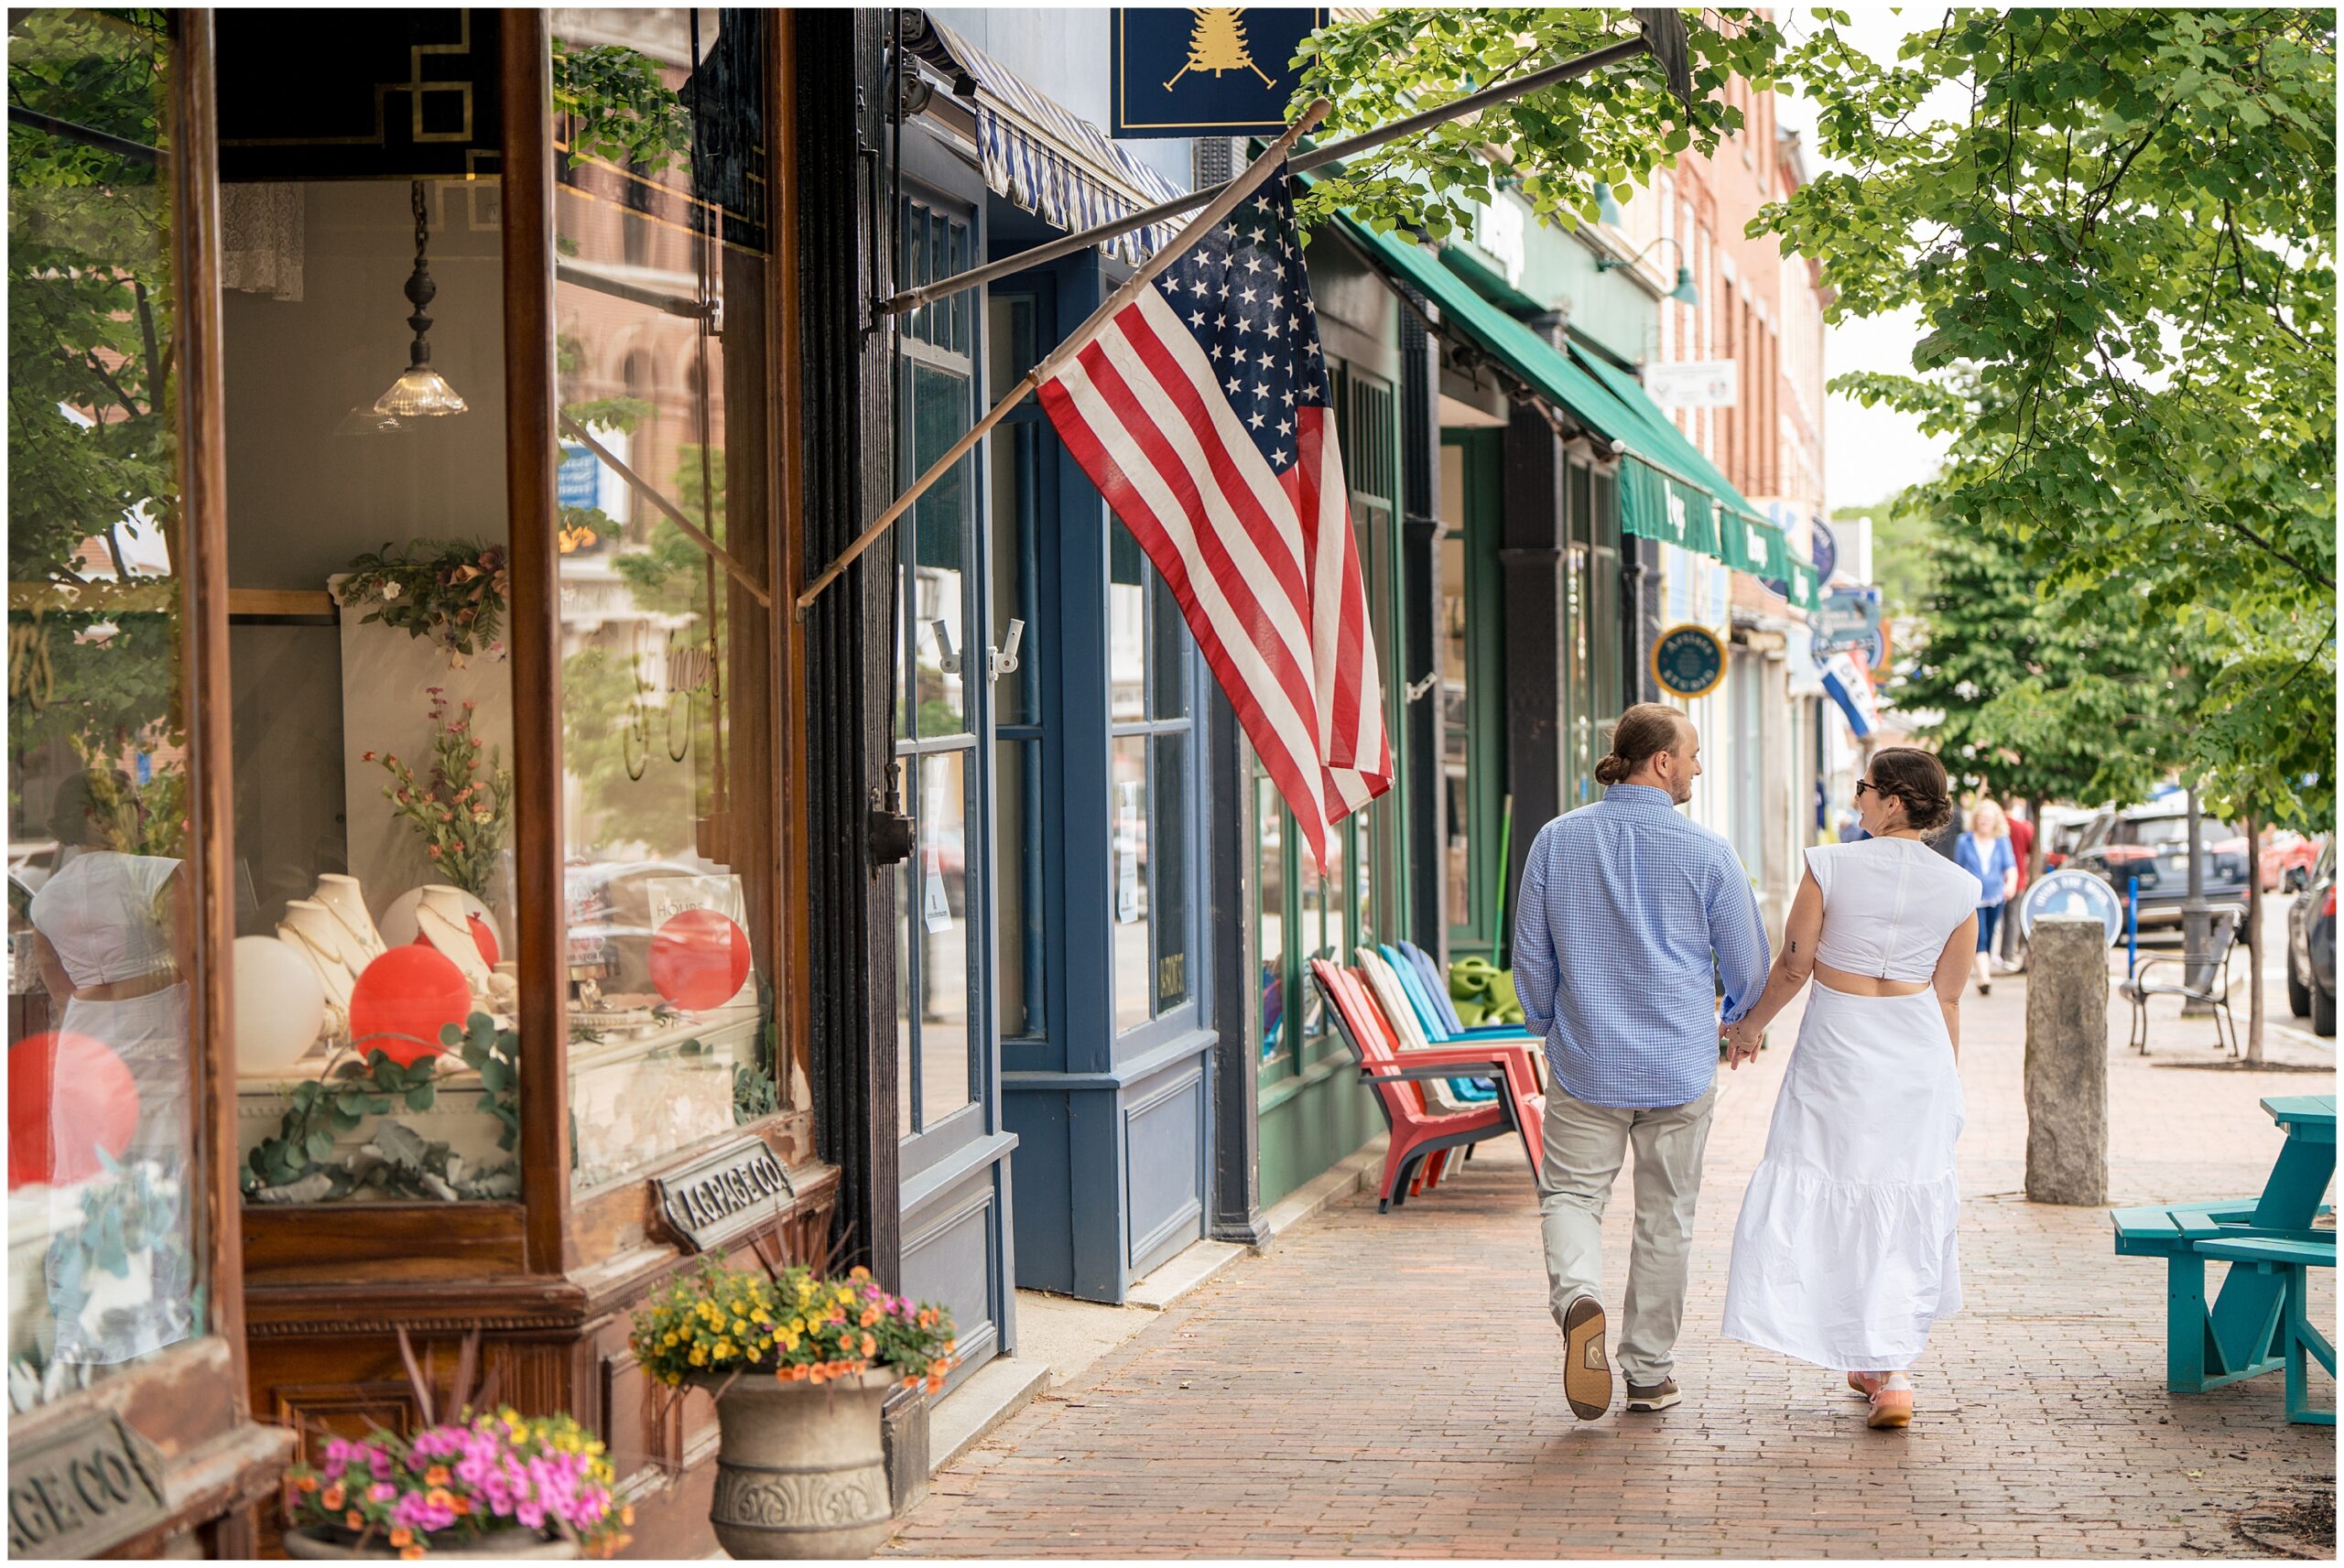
(1624, 904)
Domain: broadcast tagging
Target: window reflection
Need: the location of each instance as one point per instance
(1127, 878)
(103, 1264)
(1150, 759)
(1270, 920)
(665, 642)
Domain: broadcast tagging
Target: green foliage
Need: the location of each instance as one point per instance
(2075, 696)
(452, 590)
(621, 110)
(2122, 248)
(754, 1094)
(1612, 127)
(495, 1055)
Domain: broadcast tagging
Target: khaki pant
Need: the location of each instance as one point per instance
(1584, 1146)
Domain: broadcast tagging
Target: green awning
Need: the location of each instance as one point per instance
(1668, 491)
(1533, 360)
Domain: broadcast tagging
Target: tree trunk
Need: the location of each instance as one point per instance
(2253, 941)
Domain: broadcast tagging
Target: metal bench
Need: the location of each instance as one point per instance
(2137, 987)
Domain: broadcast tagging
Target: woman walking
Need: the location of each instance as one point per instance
(1985, 853)
(1844, 1255)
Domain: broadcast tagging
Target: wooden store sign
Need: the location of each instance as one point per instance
(724, 1196)
(76, 1490)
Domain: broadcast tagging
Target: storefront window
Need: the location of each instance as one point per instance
(667, 621)
(1279, 999)
(1147, 661)
(105, 1187)
(944, 656)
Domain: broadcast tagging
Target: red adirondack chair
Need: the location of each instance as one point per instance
(1421, 1136)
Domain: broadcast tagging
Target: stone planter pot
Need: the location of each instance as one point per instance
(525, 1545)
(799, 1469)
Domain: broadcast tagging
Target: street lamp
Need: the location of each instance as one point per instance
(1684, 293)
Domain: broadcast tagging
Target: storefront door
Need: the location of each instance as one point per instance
(954, 1177)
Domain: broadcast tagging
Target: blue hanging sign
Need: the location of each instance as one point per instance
(1206, 70)
(577, 481)
(1822, 548)
(1688, 660)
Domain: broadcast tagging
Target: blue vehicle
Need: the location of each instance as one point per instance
(2311, 948)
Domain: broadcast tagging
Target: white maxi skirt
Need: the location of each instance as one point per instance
(1845, 1252)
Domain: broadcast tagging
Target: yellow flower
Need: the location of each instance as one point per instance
(669, 1338)
(797, 1325)
(740, 1325)
(699, 1356)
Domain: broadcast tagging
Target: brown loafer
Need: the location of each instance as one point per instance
(1586, 1373)
(1658, 1397)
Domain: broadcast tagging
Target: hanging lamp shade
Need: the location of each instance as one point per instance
(420, 392)
(1685, 293)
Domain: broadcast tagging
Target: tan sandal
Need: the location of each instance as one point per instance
(1866, 1383)
(1892, 1406)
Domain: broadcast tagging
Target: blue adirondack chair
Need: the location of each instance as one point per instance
(1436, 1018)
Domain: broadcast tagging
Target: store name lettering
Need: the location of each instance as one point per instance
(721, 1196)
(79, 1492)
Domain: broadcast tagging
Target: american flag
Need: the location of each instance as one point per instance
(1202, 411)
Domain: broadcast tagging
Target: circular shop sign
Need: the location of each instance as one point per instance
(2070, 893)
(1688, 660)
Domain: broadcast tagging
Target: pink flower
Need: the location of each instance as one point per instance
(470, 705)
(432, 850)
(475, 743)
(366, 756)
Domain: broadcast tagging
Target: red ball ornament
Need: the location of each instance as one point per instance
(700, 960)
(483, 939)
(68, 1096)
(402, 1001)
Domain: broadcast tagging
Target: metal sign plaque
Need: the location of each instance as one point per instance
(1688, 660)
(724, 1196)
(2075, 894)
(75, 1490)
(1847, 618)
(1222, 71)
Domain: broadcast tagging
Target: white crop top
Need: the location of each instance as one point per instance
(1888, 906)
(99, 912)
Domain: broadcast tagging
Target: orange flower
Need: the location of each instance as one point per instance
(934, 1381)
(870, 1317)
(436, 1476)
(928, 1317)
(402, 1536)
(410, 1552)
(626, 1515)
(440, 1497)
(332, 1500)
(816, 1374)
(306, 1484)
(858, 1273)
(911, 1381)
(870, 1345)
(355, 1519)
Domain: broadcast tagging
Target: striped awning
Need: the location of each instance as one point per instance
(1051, 162)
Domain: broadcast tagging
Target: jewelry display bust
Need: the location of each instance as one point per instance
(316, 932)
(341, 896)
(446, 925)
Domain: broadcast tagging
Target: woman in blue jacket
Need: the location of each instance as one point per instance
(1985, 853)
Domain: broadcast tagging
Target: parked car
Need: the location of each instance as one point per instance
(2064, 828)
(2311, 948)
(2287, 860)
(2148, 846)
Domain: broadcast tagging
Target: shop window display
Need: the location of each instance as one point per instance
(102, 1180)
(667, 617)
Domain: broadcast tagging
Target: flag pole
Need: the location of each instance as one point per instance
(1221, 206)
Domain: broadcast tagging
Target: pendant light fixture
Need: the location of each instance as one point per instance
(420, 392)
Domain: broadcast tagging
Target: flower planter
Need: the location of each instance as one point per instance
(799, 1469)
(505, 1545)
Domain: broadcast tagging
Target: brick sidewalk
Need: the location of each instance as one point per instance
(1388, 1385)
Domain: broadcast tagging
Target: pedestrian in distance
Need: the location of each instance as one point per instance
(1844, 1252)
(1985, 851)
(2022, 856)
(1631, 917)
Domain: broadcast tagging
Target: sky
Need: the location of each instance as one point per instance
(1869, 454)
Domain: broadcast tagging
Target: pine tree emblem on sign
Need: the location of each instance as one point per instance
(1217, 43)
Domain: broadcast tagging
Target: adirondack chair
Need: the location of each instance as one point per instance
(1418, 1134)
(1410, 1031)
(1523, 1082)
(1438, 1014)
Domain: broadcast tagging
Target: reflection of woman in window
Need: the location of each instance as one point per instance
(109, 937)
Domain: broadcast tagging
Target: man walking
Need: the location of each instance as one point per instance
(1631, 916)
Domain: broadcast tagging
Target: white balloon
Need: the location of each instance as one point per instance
(398, 928)
(281, 1005)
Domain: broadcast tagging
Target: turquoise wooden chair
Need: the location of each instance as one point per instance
(2297, 1335)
